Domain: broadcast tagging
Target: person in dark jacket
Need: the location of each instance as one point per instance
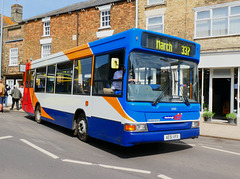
(16, 96)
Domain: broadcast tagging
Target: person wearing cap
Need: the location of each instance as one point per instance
(16, 96)
(7, 88)
(2, 92)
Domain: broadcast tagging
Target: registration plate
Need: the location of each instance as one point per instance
(172, 137)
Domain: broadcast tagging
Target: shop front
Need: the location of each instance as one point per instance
(219, 82)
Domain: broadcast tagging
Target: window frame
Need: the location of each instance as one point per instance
(149, 3)
(123, 50)
(91, 69)
(13, 57)
(157, 24)
(43, 54)
(229, 7)
(46, 28)
(103, 9)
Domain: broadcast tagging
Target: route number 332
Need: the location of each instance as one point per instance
(186, 50)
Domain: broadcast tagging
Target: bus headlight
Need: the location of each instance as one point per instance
(135, 127)
(195, 124)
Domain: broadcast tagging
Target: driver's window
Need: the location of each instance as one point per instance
(108, 74)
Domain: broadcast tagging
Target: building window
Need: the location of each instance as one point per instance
(105, 16)
(155, 24)
(13, 57)
(217, 21)
(46, 29)
(151, 2)
(46, 26)
(46, 50)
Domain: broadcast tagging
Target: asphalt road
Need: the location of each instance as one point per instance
(31, 150)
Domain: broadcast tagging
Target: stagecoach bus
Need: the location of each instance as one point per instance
(134, 87)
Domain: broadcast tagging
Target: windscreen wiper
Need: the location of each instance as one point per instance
(186, 101)
(185, 98)
(161, 95)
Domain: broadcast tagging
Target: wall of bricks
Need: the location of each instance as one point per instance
(64, 27)
(12, 36)
(179, 21)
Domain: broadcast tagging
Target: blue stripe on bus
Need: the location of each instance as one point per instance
(64, 119)
(107, 130)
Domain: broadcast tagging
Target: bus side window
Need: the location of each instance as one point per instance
(31, 80)
(50, 78)
(27, 79)
(40, 79)
(64, 76)
(82, 76)
(105, 80)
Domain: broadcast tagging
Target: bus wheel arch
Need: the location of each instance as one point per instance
(80, 125)
(37, 113)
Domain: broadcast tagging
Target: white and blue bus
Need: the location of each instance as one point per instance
(134, 87)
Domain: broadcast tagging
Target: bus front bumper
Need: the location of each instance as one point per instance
(132, 138)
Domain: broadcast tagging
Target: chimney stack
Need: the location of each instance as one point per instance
(16, 12)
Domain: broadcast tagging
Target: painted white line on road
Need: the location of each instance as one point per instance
(125, 169)
(5, 137)
(77, 162)
(220, 150)
(39, 149)
(163, 176)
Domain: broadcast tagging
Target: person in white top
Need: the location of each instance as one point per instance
(117, 85)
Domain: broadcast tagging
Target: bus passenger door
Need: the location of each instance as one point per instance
(28, 92)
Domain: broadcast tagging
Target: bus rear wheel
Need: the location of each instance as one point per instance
(38, 114)
(82, 128)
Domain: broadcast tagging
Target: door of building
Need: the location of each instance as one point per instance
(221, 97)
(10, 83)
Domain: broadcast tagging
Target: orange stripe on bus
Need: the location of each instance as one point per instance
(78, 52)
(116, 105)
(34, 102)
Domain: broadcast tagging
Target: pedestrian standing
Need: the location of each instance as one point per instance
(7, 88)
(2, 92)
(16, 96)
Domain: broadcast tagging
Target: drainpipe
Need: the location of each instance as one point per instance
(136, 20)
(77, 26)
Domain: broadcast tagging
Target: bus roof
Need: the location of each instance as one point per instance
(130, 40)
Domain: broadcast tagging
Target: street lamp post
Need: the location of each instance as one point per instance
(1, 42)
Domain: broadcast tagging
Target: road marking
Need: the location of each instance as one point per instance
(5, 137)
(125, 169)
(163, 176)
(39, 149)
(220, 150)
(78, 162)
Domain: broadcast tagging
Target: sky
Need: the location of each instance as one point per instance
(32, 8)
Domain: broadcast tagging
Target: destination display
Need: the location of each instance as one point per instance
(167, 44)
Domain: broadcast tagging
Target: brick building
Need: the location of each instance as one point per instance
(215, 24)
(12, 55)
(75, 25)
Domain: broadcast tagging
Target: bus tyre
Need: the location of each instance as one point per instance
(82, 128)
(38, 114)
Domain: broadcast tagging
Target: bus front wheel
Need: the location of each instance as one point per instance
(82, 128)
(38, 114)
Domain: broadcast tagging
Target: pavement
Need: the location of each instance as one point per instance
(219, 129)
(216, 128)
